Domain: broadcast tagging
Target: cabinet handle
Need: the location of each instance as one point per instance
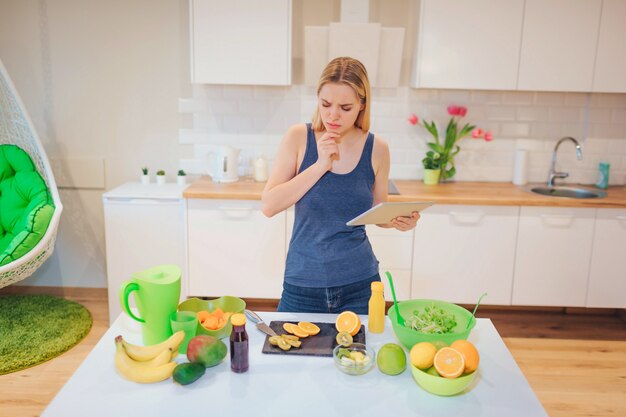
(236, 213)
(557, 220)
(621, 218)
(467, 217)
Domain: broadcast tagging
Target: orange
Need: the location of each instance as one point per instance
(422, 355)
(218, 312)
(349, 322)
(308, 328)
(202, 315)
(295, 330)
(449, 362)
(211, 323)
(470, 354)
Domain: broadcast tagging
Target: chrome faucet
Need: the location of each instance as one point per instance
(552, 174)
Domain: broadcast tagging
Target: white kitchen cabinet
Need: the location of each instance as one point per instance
(234, 249)
(559, 40)
(607, 276)
(241, 42)
(468, 44)
(611, 54)
(462, 251)
(144, 227)
(553, 256)
(394, 251)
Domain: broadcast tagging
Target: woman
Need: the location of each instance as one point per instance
(332, 170)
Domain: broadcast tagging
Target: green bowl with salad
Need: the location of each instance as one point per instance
(430, 321)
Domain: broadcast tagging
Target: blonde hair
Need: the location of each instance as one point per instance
(351, 72)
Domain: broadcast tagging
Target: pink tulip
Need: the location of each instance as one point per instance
(477, 133)
(462, 111)
(453, 110)
(413, 119)
(488, 136)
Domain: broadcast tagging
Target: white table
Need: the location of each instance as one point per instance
(293, 386)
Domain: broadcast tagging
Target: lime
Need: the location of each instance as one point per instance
(344, 339)
(391, 359)
(432, 371)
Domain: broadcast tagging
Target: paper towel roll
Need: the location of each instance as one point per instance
(520, 167)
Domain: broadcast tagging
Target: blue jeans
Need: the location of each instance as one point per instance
(353, 297)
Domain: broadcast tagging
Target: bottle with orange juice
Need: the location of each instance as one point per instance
(376, 309)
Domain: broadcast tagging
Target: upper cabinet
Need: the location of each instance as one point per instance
(241, 42)
(536, 45)
(611, 55)
(468, 44)
(559, 42)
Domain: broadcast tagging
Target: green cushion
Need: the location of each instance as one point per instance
(26, 205)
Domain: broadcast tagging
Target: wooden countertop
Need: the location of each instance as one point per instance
(467, 193)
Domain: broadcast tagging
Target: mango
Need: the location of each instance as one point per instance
(206, 350)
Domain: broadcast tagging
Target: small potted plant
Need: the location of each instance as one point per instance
(160, 177)
(145, 178)
(432, 167)
(181, 177)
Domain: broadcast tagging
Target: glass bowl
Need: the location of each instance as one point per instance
(355, 359)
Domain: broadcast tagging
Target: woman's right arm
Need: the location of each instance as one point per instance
(284, 188)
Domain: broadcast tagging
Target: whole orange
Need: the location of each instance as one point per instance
(470, 354)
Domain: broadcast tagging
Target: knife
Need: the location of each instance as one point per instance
(254, 317)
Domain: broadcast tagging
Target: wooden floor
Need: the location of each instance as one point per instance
(575, 362)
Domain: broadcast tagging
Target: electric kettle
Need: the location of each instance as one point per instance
(223, 164)
(157, 293)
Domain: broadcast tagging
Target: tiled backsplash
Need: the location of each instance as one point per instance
(254, 119)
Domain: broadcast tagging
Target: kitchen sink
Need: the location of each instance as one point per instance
(568, 192)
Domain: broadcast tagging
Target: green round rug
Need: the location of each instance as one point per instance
(37, 328)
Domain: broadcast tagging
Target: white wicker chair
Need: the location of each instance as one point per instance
(16, 128)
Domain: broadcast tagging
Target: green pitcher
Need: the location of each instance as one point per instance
(157, 293)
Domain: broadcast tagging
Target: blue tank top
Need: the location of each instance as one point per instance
(323, 251)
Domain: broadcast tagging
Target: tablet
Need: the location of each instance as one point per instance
(385, 212)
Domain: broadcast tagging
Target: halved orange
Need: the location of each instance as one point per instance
(295, 330)
(470, 354)
(349, 322)
(308, 328)
(449, 362)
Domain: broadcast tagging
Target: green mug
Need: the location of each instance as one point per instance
(157, 293)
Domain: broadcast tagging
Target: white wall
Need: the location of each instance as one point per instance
(107, 83)
(101, 82)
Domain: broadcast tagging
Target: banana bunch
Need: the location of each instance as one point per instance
(147, 364)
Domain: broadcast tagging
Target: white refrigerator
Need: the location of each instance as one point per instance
(145, 226)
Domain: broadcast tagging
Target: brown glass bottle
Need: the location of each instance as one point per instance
(239, 345)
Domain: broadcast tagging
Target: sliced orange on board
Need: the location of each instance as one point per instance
(309, 328)
(449, 362)
(349, 322)
(295, 330)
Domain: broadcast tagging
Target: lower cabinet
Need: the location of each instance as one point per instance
(394, 251)
(553, 256)
(607, 276)
(234, 249)
(462, 251)
(533, 256)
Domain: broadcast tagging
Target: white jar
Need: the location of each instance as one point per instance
(520, 167)
(260, 170)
